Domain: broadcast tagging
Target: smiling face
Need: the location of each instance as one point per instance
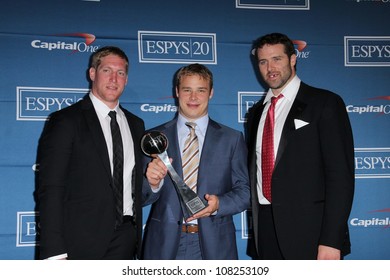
(193, 93)
(109, 79)
(275, 67)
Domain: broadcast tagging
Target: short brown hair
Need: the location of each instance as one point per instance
(96, 58)
(194, 69)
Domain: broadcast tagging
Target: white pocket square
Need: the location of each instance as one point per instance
(299, 123)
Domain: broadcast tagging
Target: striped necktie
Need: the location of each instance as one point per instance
(191, 158)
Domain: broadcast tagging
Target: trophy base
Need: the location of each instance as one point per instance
(195, 205)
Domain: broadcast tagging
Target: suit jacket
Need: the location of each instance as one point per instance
(313, 179)
(75, 183)
(223, 172)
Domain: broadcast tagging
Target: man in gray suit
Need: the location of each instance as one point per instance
(222, 180)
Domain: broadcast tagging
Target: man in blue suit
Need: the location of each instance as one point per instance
(222, 180)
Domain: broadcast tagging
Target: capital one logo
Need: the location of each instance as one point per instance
(61, 45)
(27, 230)
(376, 221)
(367, 51)
(377, 109)
(37, 103)
(177, 47)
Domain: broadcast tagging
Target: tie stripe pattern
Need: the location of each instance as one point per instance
(267, 149)
(191, 158)
(117, 174)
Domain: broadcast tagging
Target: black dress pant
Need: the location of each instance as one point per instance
(267, 240)
(123, 243)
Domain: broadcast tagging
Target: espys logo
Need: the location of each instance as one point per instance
(177, 47)
(159, 108)
(378, 109)
(373, 221)
(37, 103)
(68, 46)
(372, 163)
(27, 229)
(372, 1)
(363, 51)
(274, 4)
(246, 99)
(246, 224)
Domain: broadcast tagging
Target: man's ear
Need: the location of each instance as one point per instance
(92, 73)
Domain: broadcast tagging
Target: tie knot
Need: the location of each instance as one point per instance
(112, 114)
(191, 125)
(275, 99)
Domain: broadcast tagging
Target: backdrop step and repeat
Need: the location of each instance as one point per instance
(45, 47)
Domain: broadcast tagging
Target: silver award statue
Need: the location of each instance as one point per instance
(155, 142)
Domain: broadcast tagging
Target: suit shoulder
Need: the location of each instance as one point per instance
(164, 126)
(227, 130)
(132, 116)
(319, 92)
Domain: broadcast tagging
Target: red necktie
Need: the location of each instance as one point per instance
(267, 149)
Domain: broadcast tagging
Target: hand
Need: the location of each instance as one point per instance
(155, 172)
(328, 253)
(213, 205)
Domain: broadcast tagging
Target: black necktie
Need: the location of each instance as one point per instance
(117, 147)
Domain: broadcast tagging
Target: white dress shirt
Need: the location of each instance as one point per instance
(282, 109)
(102, 111)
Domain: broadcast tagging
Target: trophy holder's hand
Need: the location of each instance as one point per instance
(155, 142)
(212, 207)
(156, 171)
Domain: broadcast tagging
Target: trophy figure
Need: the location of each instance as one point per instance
(155, 142)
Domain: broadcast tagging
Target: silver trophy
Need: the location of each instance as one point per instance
(156, 143)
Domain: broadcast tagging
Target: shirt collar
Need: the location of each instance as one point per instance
(289, 92)
(201, 124)
(101, 108)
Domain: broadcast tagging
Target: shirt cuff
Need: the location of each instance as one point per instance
(58, 257)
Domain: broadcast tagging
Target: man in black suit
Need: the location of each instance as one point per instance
(76, 185)
(305, 215)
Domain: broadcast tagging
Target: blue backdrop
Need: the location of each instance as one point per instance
(45, 46)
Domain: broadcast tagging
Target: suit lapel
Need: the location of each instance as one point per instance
(97, 133)
(170, 129)
(289, 127)
(213, 136)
